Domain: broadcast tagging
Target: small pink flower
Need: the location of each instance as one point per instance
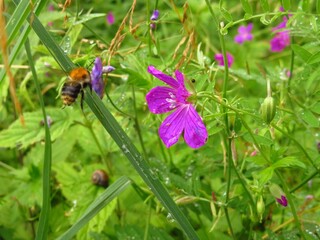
(219, 58)
(184, 119)
(244, 34)
(110, 18)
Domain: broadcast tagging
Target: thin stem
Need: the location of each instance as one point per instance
(118, 109)
(303, 182)
(137, 125)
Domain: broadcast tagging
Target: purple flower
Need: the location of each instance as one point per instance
(107, 69)
(154, 15)
(244, 34)
(283, 200)
(50, 7)
(219, 58)
(184, 119)
(280, 41)
(282, 38)
(110, 18)
(96, 77)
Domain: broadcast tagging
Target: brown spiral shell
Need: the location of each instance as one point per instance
(100, 178)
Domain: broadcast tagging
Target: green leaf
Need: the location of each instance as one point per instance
(316, 108)
(309, 118)
(286, 4)
(258, 139)
(246, 7)
(105, 198)
(265, 5)
(88, 17)
(301, 52)
(226, 14)
(318, 7)
(288, 162)
(315, 58)
(265, 175)
(33, 130)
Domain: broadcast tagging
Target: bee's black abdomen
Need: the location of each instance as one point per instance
(70, 92)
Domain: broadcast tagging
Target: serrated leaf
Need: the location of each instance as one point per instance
(246, 6)
(258, 139)
(309, 118)
(226, 14)
(33, 130)
(288, 162)
(315, 58)
(265, 175)
(301, 52)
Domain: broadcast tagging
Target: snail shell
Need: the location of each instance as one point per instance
(100, 178)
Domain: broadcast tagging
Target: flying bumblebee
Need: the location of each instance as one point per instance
(78, 79)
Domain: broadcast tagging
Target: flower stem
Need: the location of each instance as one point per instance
(137, 125)
(291, 204)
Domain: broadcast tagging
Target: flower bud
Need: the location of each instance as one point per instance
(268, 109)
(260, 207)
(277, 192)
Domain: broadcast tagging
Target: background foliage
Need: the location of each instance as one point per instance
(223, 188)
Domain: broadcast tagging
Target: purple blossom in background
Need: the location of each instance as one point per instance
(282, 38)
(184, 119)
(283, 200)
(50, 7)
(280, 41)
(110, 18)
(154, 15)
(219, 58)
(244, 34)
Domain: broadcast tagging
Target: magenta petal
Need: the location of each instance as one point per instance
(163, 77)
(161, 99)
(172, 127)
(195, 132)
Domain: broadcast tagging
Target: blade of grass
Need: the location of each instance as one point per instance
(17, 19)
(22, 37)
(106, 197)
(119, 136)
(43, 226)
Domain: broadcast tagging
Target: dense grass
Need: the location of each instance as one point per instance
(246, 165)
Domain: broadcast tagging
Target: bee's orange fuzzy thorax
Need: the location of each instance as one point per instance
(78, 73)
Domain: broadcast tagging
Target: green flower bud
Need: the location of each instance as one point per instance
(260, 207)
(268, 109)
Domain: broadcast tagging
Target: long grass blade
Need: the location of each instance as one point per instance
(43, 226)
(106, 197)
(120, 137)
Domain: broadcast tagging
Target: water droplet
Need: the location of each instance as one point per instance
(170, 218)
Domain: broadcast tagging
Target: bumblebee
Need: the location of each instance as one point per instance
(78, 79)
